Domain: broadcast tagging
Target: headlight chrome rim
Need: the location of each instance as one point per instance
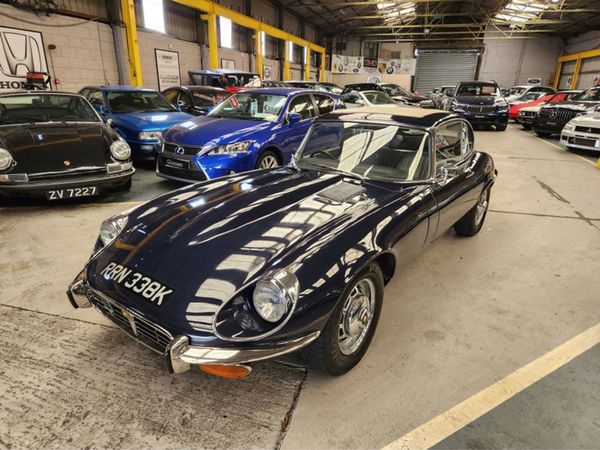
(120, 150)
(6, 159)
(111, 228)
(282, 283)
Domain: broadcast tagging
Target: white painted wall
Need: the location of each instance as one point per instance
(80, 57)
(510, 62)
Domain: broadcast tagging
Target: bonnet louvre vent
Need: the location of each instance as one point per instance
(292, 176)
(342, 192)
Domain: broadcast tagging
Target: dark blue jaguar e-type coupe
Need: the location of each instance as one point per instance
(256, 265)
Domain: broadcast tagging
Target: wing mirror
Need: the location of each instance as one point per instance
(293, 118)
(360, 101)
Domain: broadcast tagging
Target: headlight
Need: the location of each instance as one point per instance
(275, 295)
(6, 159)
(569, 127)
(150, 136)
(457, 105)
(111, 228)
(238, 147)
(120, 150)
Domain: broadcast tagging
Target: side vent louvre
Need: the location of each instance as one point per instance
(292, 176)
(342, 192)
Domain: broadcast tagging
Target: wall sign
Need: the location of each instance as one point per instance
(267, 72)
(227, 63)
(359, 64)
(535, 81)
(346, 64)
(167, 68)
(397, 66)
(21, 51)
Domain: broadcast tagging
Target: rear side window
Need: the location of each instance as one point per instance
(171, 95)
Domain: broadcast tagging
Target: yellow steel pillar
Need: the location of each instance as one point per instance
(306, 63)
(133, 49)
(557, 74)
(213, 41)
(322, 68)
(576, 73)
(286, 62)
(259, 54)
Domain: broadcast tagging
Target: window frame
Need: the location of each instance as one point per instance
(311, 99)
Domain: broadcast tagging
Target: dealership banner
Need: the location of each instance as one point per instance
(359, 64)
(21, 51)
(346, 64)
(167, 68)
(397, 66)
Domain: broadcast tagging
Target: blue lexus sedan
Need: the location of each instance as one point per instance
(253, 129)
(139, 115)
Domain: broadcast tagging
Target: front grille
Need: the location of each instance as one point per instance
(481, 109)
(147, 332)
(177, 149)
(67, 174)
(584, 142)
(179, 173)
(527, 113)
(588, 130)
(557, 115)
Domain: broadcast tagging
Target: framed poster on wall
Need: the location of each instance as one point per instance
(227, 63)
(21, 51)
(167, 68)
(267, 72)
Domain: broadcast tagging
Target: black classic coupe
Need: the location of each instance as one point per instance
(55, 145)
(255, 265)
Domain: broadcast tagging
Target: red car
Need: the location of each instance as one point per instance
(561, 96)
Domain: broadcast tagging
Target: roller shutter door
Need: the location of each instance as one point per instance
(441, 67)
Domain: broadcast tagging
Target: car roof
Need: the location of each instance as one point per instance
(37, 92)
(221, 72)
(278, 91)
(196, 87)
(401, 115)
(569, 91)
(120, 87)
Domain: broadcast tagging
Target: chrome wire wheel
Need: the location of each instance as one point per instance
(268, 162)
(481, 207)
(357, 316)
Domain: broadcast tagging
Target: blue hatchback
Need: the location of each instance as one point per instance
(139, 115)
(253, 129)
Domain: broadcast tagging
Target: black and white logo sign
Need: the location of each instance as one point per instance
(21, 51)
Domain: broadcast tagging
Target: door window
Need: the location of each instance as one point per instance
(324, 103)
(171, 95)
(453, 142)
(185, 100)
(302, 105)
(96, 98)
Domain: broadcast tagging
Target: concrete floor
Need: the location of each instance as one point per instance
(465, 314)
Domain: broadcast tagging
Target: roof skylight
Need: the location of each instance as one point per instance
(519, 11)
(397, 11)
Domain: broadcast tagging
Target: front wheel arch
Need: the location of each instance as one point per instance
(273, 150)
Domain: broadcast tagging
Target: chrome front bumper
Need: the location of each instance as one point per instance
(180, 355)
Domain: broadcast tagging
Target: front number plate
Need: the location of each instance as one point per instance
(59, 194)
(177, 163)
(137, 282)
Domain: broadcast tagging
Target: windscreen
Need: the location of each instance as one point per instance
(251, 106)
(208, 98)
(588, 95)
(372, 151)
(122, 102)
(45, 108)
(517, 90)
(395, 91)
(379, 98)
(477, 90)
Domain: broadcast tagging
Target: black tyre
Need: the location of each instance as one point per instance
(526, 126)
(348, 332)
(267, 160)
(543, 134)
(472, 222)
(501, 126)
